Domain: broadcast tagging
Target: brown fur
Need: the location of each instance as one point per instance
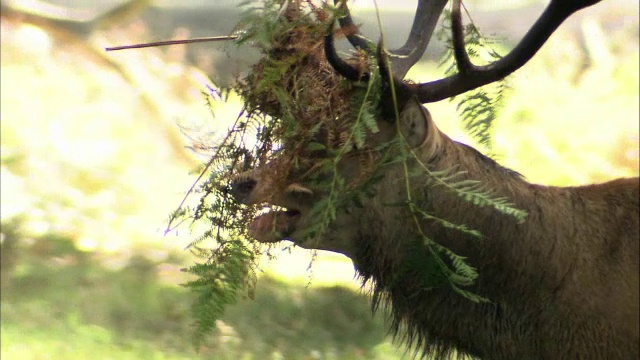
(562, 285)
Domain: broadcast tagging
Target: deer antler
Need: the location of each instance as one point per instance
(341, 66)
(424, 24)
(403, 58)
(356, 39)
(471, 76)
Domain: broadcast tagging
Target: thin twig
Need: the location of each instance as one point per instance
(173, 42)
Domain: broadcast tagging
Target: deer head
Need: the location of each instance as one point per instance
(549, 278)
(414, 123)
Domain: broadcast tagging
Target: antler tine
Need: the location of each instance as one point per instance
(471, 76)
(356, 39)
(403, 58)
(463, 63)
(424, 23)
(341, 66)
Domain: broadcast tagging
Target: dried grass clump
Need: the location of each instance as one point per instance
(307, 108)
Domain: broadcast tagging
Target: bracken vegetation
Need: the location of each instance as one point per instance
(302, 119)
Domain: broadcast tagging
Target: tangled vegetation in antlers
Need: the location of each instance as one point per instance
(301, 118)
(305, 108)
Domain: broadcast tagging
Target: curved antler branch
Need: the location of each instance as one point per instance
(401, 93)
(401, 59)
(356, 39)
(471, 76)
(463, 62)
(424, 23)
(341, 66)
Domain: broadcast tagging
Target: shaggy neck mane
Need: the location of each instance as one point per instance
(531, 279)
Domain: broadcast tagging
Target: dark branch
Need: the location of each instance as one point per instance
(471, 77)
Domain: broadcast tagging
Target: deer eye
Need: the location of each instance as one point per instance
(242, 187)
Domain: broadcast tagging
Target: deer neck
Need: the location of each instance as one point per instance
(392, 257)
(513, 251)
(523, 267)
(507, 246)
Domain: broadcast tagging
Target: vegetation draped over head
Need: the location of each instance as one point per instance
(302, 118)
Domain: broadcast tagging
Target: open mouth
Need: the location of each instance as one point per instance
(274, 225)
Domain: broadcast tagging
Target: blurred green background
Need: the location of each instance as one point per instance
(94, 157)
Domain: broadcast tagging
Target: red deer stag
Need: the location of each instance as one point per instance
(562, 284)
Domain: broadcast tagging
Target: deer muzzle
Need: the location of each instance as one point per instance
(274, 224)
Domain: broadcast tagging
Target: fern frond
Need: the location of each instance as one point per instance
(478, 108)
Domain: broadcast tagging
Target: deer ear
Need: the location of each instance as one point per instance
(414, 123)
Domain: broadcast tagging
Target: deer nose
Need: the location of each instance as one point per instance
(242, 188)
